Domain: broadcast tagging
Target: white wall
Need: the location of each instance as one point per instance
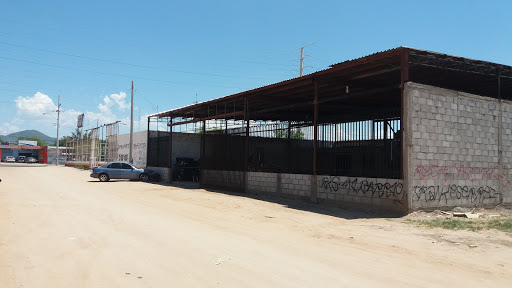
(139, 148)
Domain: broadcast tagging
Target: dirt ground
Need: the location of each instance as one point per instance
(61, 228)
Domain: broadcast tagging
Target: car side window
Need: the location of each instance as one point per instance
(126, 166)
(109, 166)
(115, 166)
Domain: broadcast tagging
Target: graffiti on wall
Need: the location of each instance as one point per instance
(463, 172)
(138, 153)
(440, 193)
(355, 186)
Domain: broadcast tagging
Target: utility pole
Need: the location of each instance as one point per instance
(131, 130)
(301, 68)
(58, 117)
(301, 60)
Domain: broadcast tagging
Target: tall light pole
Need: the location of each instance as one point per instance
(58, 117)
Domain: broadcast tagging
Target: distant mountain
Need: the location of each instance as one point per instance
(13, 137)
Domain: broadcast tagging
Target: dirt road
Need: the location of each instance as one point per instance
(61, 228)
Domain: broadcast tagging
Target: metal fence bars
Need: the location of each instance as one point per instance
(368, 147)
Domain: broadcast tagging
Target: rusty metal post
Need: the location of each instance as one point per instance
(313, 197)
(404, 75)
(147, 143)
(247, 118)
(404, 135)
(500, 131)
(289, 130)
(170, 150)
(157, 145)
(315, 127)
(203, 140)
(499, 82)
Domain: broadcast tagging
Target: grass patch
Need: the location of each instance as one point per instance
(504, 224)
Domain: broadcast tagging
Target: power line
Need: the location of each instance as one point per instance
(144, 66)
(78, 56)
(113, 74)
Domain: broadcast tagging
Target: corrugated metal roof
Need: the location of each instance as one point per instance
(368, 56)
(377, 63)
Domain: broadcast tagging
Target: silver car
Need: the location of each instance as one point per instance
(123, 170)
(31, 160)
(9, 159)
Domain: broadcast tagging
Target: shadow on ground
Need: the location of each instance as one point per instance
(298, 204)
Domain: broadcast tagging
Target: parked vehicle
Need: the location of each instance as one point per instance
(31, 160)
(123, 170)
(186, 169)
(21, 159)
(9, 159)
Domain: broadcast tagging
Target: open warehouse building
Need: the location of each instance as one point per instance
(399, 130)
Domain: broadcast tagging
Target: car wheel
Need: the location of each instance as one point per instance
(144, 177)
(104, 177)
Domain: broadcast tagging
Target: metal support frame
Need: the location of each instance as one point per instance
(157, 144)
(247, 118)
(315, 127)
(226, 115)
(500, 127)
(203, 139)
(404, 75)
(170, 150)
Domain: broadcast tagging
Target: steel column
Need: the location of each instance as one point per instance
(157, 145)
(500, 130)
(170, 150)
(147, 144)
(315, 127)
(404, 75)
(247, 118)
(499, 82)
(203, 139)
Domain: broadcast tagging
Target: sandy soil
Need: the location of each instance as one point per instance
(61, 228)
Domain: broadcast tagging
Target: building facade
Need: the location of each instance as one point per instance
(396, 131)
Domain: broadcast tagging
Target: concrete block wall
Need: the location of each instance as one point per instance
(453, 148)
(288, 185)
(261, 182)
(384, 195)
(506, 141)
(374, 194)
(163, 171)
(298, 185)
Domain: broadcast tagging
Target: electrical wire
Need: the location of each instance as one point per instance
(78, 56)
(118, 75)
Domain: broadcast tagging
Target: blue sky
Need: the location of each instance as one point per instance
(88, 52)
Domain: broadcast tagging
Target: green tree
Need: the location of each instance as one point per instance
(40, 141)
(64, 140)
(77, 134)
(214, 130)
(1, 140)
(294, 133)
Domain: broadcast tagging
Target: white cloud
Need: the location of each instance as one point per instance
(119, 99)
(29, 115)
(34, 106)
(114, 100)
(8, 128)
